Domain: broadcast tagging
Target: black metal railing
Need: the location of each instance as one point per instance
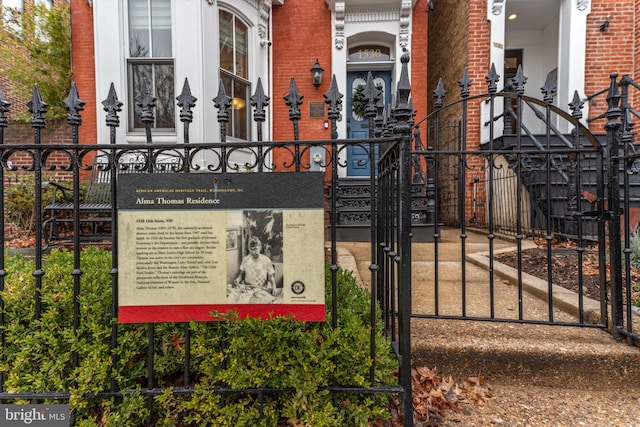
(388, 290)
(549, 185)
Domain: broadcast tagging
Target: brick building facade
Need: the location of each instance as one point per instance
(127, 41)
(284, 39)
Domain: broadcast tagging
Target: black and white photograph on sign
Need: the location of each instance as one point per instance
(254, 257)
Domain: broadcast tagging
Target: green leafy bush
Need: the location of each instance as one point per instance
(297, 358)
(634, 258)
(40, 54)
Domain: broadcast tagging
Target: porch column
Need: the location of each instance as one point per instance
(572, 42)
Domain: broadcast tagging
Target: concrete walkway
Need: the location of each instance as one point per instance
(502, 352)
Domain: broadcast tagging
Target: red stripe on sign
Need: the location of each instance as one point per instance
(202, 313)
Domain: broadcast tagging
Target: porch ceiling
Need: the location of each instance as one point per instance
(532, 15)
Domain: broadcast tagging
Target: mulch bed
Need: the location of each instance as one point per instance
(564, 266)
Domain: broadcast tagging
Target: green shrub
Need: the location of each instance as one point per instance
(41, 54)
(280, 353)
(634, 258)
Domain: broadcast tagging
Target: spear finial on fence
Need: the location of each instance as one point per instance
(465, 84)
(549, 89)
(576, 106)
(146, 102)
(112, 106)
(519, 81)
(222, 102)
(37, 108)
(439, 94)
(186, 102)
(333, 98)
(492, 79)
(371, 95)
(293, 99)
(259, 101)
(74, 105)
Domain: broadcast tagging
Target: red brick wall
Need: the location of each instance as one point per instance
(448, 47)
(459, 38)
(301, 33)
(56, 132)
(84, 66)
(636, 48)
(295, 50)
(611, 50)
(419, 49)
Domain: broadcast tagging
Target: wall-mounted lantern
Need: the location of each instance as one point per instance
(316, 73)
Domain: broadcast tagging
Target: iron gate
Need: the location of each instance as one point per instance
(539, 185)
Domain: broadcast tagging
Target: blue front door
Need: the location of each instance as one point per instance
(357, 125)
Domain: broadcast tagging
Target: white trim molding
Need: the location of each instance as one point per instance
(497, 6)
(405, 22)
(582, 4)
(361, 16)
(263, 23)
(340, 13)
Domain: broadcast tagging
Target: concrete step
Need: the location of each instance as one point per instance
(504, 353)
(525, 354)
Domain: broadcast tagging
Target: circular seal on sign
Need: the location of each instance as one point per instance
(297, 287)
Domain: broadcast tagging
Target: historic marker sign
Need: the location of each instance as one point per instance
(193, 244)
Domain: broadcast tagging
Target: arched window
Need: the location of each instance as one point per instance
(151, 61)
(234, 72)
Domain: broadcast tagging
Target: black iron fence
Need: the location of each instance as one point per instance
(390, 274)
(557, 186)
(542, 180)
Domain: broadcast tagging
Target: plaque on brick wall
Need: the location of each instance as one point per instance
(190, 245)
(316, 110)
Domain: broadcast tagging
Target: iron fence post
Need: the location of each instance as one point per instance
(613, 127)
(402, 129)
(37, 108)
(74, 106)
(4, 122)
(112, 106)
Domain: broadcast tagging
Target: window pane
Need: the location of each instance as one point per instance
(165, 102)
(228, 87)
(139, 43)
(141, 74)
(226, 41)
(161, 28)
(150, 37)
(240, 108)
(241, 49)
(238, 126)
(160, 79)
